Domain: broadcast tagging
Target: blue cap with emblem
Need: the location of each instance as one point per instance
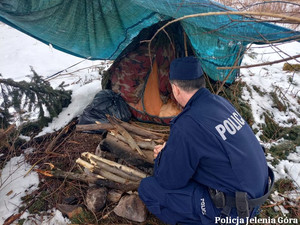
(187, 68)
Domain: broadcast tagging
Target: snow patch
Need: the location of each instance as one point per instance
(14, 185)
(51, 217)
(81, 97)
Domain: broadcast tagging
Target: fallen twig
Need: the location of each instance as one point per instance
(56, 139)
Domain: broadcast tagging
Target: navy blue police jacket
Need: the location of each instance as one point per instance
(210, 143)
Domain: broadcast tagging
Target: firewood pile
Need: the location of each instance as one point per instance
(122, 159)
(127, 142)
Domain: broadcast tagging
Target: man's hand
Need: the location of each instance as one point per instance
(157, 149)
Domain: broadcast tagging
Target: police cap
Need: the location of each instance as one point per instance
(186, 68)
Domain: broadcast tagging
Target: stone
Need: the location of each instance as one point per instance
(96, 198)
(131, 207)
(70, 200)
(114, 196)
(70, 210)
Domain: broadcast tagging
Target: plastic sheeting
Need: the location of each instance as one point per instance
(105, 102)
(102, 29)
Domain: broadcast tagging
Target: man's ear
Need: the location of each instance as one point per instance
(176, 90)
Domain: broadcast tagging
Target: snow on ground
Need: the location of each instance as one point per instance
(51, 217)
(81, 97)
(272, 78)
(15, 183)
(16, 58)
(289, 168)
(19, 52)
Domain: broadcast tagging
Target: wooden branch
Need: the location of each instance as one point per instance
(101, 126)
(142, 144)
(124, 168)
(132, 186)
(250, 13)
(55, 140)
(259, 64)
(185, 44)
(230, 72)
(103, 173)
(155, 141)
(85, 178)
(162, 130)
(93, 180)
(113, 170)
(129, 127)
(123, 151)
(128, 138)
(142, 130)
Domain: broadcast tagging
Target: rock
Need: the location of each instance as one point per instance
(131, 207)
(114, 196)
(70, 200)
(70, 210)
(96, 198)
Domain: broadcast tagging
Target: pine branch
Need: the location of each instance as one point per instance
(30, 96)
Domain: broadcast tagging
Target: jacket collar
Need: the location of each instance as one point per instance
(198, 95)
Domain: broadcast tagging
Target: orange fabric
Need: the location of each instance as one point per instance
(170, 109)
(137, 106)
(153, 104)
(152, 100)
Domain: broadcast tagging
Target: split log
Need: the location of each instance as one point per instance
(103, 173)
(126, 169)
(128, 139)
(145, 144)
(113, 170)
(57, 173)
(123, 151)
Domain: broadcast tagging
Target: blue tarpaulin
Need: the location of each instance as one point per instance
(102, 29)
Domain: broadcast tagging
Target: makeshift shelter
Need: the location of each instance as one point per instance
(112, 29)
(141, 75)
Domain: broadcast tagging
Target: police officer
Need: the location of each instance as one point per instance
(212, 165)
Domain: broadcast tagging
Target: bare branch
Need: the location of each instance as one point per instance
(260, 64)
(230, 72)
(287, 18)
(270, 2)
